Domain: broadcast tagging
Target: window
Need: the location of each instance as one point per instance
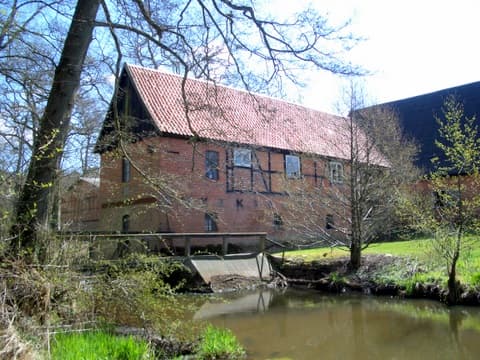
(277, 221)
(292, 166)
(125, 223)
(210, 222)
(211, 165)
(329, 223)
(242, 157)
(336, 172)
(125, 170)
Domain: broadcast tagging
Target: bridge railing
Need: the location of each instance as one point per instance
(188, 240)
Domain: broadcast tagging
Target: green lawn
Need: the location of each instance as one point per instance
(413, 248)
(419, 250)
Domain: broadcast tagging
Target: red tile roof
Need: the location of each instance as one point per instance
(226, 114)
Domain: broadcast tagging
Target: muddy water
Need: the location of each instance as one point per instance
(308, 325)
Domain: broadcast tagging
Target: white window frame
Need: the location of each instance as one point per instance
(242, 157)
(292, 161)
(336, 172)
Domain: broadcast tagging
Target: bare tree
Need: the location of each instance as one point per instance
(86, 124)
(354, 204)
(33, 205)
(33, 46)
(27, 58)
(188, 36)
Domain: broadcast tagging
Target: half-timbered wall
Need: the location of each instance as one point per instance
(238, 198)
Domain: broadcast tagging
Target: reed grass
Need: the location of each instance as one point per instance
(95, 345)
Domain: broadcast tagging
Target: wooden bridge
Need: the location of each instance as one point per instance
(251, 264)
(184, 244)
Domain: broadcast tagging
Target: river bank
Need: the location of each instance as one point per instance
(383, 275)
(142, 293)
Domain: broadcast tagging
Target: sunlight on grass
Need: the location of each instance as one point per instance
(412, 248)
(316, 253)
(95, 345)
(418, 250)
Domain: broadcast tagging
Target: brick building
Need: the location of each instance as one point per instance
(80, 206)
(210, 158)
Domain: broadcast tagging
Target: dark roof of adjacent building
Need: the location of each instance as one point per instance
(230, 115)
(418, 115)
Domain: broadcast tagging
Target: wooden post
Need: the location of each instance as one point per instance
(224, 245)
(188, 244)
(261, 244)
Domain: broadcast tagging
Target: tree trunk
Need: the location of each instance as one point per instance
(356, 239)
(453, 285)
(453, 288)
(33, 206)
(355, 204)
(355, 255)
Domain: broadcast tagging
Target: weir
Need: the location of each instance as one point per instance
(250, 265)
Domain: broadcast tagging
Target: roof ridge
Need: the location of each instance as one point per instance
(429, 93)
(216, 83)
(236, 115)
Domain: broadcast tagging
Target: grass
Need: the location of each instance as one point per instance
(219, 343)
(98, 345)
(412, 248)
(418, 250)
(216, 343)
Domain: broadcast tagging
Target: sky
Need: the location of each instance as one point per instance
(412, 47)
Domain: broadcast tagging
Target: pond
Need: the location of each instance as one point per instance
(301, 324)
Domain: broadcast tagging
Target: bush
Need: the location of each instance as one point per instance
(135, 291)
(168, 273)
(219, 344)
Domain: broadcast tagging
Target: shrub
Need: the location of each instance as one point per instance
(170, 273)
(219, 343)
(337, 281)
(134, 291)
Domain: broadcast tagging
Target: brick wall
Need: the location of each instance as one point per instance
(80, 207)
(240, 199)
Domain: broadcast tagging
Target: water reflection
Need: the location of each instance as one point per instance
(309, 325)
(245, 303)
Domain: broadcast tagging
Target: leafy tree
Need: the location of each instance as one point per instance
(220, 40)
(451, 214)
